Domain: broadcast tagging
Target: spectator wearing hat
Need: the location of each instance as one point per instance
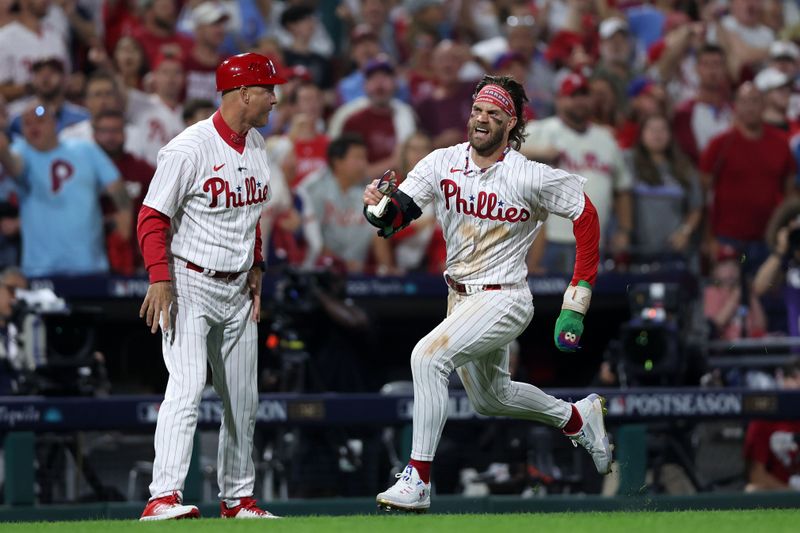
(157, 31)
(616, 56)
(785, 56)
(443, 113)
(22, 42)
(747, 171)
(209, 20)
(699, 119)
(384, 122)
(161, 115)
(776, 87)
(572, 142)
(300, 21)
(48, 81)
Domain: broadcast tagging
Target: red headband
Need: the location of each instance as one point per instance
(494, 94)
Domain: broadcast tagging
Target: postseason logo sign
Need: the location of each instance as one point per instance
(676, 404)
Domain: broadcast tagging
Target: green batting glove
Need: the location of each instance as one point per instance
(569, 326)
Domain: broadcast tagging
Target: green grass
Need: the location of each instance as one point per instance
(770, 521)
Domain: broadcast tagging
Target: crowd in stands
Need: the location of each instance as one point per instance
(683, 115)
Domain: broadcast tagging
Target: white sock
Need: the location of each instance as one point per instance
(230, 504)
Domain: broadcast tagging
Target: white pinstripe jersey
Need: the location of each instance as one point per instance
(213, 196)
(490, 217)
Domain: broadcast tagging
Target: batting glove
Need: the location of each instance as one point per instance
(569, 325)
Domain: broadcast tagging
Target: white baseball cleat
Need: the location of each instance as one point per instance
(168, 507)
(410, 493)
(247, 508)
(592, 435)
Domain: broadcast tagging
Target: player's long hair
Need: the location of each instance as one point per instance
(517, 135)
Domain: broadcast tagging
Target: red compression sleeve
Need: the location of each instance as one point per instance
(151, 230)
(586, 229)
(258, 257)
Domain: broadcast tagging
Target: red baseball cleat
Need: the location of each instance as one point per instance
(247, 508)
(168, 508)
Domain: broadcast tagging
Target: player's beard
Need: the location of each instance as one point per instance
(488, 145)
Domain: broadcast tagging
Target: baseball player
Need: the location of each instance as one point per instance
(490, 202)
(205, 200)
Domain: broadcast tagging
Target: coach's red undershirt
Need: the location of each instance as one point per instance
(151, 230)
(233, 139)
(586, 229)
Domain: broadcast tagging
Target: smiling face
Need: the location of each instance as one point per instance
(488, 127)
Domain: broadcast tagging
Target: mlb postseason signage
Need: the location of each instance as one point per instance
(138, 413)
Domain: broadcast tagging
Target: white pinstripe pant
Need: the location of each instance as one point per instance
(211, 323)
(474, 339)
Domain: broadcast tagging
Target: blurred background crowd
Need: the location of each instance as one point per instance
(682, 115)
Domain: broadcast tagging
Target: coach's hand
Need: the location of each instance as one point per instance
(254, 283)
(156, 305)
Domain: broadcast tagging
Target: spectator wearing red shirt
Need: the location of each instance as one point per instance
(157, 33)
(124, 256)
(771, 447)
(748, 169)
(383, 122)
(698, 120)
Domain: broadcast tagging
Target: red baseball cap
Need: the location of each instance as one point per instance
(571, 84)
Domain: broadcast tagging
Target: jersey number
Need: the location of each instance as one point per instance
(60, 171)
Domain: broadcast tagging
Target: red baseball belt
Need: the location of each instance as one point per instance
(229, 276)
(461, 288)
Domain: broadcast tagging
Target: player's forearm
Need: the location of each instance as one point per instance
(586, 229)
(152, 231)
(258, 255)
